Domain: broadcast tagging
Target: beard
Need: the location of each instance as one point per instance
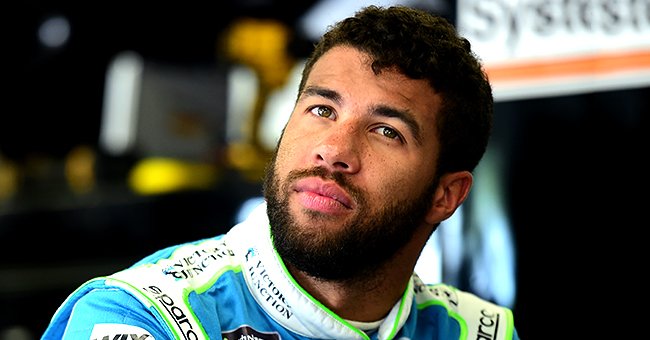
(353, 251)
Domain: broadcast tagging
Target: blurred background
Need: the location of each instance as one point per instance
(127, 128)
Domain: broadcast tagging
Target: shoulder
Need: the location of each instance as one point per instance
(96, 310)
(151, 297)
(157, 293)
(476, 317)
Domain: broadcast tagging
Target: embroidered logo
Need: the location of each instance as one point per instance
(248, 333)
(111, 331)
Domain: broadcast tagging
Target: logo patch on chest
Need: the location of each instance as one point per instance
(247, 333)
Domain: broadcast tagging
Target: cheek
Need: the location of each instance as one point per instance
(287, 156)
(397, 186)
(382, 179)
(402, 182)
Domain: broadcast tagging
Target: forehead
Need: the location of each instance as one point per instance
(348, 72)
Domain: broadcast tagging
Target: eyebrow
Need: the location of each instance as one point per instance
(403, 115)
(380, 110)
(322, 92)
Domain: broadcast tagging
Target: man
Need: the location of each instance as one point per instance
(393, 113)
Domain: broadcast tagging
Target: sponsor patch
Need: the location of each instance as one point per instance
(246, 332)
(488, 326)
(112, 331)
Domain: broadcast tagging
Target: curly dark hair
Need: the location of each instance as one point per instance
(423, 45)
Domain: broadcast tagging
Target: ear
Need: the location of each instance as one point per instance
(451, 192)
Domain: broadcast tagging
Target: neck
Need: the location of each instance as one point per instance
(366, 300)
(369, 297)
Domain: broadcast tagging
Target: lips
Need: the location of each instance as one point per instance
(327, 189)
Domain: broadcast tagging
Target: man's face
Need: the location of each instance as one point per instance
(353, 174)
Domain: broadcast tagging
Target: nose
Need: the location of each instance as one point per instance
(338, 150)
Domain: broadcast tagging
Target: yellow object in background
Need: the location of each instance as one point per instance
(153, 176)
(9, 177)
(261, 45)
(79, 169)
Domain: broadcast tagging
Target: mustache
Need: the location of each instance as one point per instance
(335, 176)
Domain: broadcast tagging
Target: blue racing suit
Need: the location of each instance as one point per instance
(235, 286)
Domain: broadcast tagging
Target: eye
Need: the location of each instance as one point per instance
(322, 111)
(389, 133)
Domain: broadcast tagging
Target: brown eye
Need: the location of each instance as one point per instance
(322, 111)
(388, 132)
